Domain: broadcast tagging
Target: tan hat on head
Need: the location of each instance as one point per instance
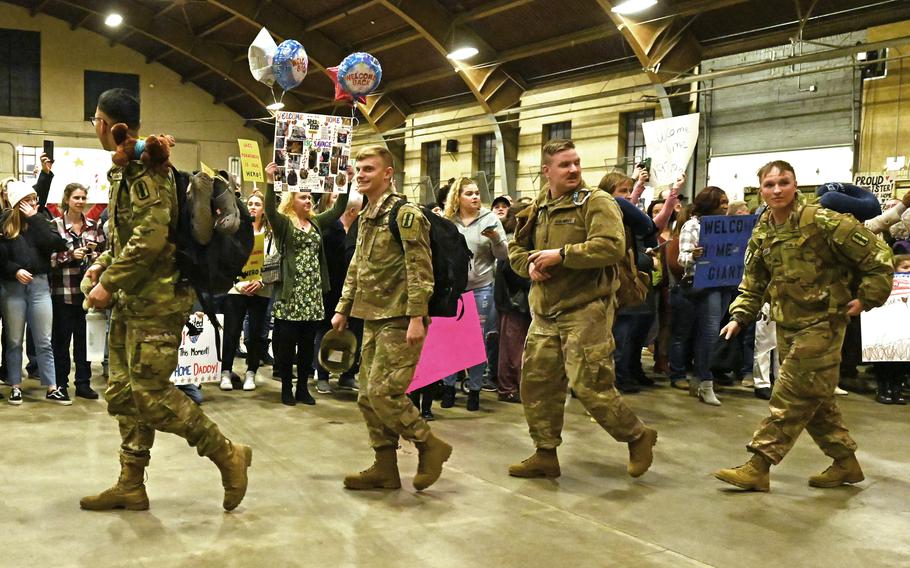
(17, 190)
(337, 351)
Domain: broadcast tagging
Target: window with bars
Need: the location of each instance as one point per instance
(557, 130)
(20, 73)
(485, 157)
(430, 156)
(635, 138)
(28, 162)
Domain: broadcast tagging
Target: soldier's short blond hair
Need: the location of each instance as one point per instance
(555, 146)
(781, 166)
(374, 152)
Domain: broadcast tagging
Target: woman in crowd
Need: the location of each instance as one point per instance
(487, 240)
(298, 310)
(511, 295)
(681, 309)
(710, 303)
(249, 297)
(84, 242)
(333, 237)
(25, 257)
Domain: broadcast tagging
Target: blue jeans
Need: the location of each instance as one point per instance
(486, 309)
(682, 330)
(630, 331)
(32, 303)
(709, 310)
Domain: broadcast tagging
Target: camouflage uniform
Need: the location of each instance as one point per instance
(150, 309)
(811, 267)
(388, 283)
(570, 342)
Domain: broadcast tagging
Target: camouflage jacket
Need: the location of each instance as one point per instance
(587, 225)
(811, 267)
(140, 265)
(387, 279)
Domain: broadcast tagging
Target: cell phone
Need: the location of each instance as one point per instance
(49, 149)
(645, 164)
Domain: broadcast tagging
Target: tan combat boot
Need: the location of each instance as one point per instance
(383, 474)
(752, 475)
(543, 463)
(431, 455)
(128, 493)
(641, 452)
(842, 471)
(233, 461)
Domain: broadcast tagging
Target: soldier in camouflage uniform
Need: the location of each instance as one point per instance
(138, 276)
(818, 268)
(566, 243)
(388, 285)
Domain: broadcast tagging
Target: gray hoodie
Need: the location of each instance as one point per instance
(486, 253)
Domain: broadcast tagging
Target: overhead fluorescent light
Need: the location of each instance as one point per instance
(113, 20)
(275, 106)
(633, 6)
(462, 53)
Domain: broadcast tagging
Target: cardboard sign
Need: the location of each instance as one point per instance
(250, 161)
(252, 270)
(879, 184)
(452, 344)
(312, 152)
(670, 143)
(883, 337)
(87, 166)
(725, 239)
(197, 357)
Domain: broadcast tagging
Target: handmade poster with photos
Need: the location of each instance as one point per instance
(312, 152)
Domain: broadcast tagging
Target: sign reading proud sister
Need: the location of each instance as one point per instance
(725, 239)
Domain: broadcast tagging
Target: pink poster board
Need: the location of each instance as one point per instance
(452, 344)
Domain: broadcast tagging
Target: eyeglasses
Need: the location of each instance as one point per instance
(94, 120)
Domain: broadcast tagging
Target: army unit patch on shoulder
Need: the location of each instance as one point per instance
(408, 223)
(144, 191)
(859, 238)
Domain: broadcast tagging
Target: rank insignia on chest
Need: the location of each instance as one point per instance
(860, 239)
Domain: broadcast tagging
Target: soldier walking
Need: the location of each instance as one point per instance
(567, 242)
(138, 275)
(819, 268)
(388, 285)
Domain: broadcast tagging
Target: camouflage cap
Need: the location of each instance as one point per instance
(337, 351)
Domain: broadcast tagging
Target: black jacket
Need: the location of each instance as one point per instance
(32, 249)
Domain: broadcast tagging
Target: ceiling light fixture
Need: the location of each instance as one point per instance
(275, 106)
(113, 20)
(462, 53)
(633, 6)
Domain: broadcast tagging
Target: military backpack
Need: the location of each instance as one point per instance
(451, 261)
(633, 283)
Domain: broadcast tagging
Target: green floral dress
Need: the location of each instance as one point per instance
(305, 303)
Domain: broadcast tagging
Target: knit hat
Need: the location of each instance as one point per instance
(16, 191)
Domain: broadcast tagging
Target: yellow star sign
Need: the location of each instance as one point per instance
(78, 162)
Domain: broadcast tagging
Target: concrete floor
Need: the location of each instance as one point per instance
(297, 514)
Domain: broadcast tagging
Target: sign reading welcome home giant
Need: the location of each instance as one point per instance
(725, 239)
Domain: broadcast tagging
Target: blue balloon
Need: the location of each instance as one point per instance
(359, 74)
(290, 64)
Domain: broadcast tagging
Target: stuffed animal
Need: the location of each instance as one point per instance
(154, 151)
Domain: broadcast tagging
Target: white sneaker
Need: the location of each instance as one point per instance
(249, 383)
(226, 384)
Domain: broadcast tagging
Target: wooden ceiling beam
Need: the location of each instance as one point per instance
(345, 11)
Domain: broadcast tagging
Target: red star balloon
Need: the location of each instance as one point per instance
(340, 95)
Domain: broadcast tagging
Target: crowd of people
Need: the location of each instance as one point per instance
(559, 309)
(312, 241)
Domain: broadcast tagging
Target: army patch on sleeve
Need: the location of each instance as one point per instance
(408, 224)
(860, 239)
(144, 192)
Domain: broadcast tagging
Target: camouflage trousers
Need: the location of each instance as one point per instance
(803, 395)
(140, 394)
(387, 366)
(573, 350)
